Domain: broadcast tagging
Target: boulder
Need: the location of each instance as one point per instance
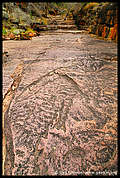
(5, 15)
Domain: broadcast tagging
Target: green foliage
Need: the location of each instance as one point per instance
(15, 31)
(44, 21)
(4, 31)
(29, 30)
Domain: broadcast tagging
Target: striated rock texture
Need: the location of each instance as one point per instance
(63, 117)
(100, 19)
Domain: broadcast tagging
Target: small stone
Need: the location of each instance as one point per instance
(12, 36)
(13, 88)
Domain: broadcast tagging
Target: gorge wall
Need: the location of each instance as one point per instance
(25, 20)
(100, 19)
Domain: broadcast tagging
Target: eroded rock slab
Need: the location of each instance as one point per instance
(63, 117)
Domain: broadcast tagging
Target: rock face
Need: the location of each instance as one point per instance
(100, 19)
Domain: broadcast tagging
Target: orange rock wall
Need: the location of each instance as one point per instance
(101, 20)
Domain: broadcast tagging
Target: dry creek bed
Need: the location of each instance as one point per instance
(61, 118)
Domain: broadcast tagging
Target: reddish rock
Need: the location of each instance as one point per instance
(62, 119)
(31, 34)
(100, 20)
(104, 32)
(12, 36)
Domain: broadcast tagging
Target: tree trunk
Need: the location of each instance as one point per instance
(46, 9)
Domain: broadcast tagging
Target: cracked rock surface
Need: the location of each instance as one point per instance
(63, 117)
